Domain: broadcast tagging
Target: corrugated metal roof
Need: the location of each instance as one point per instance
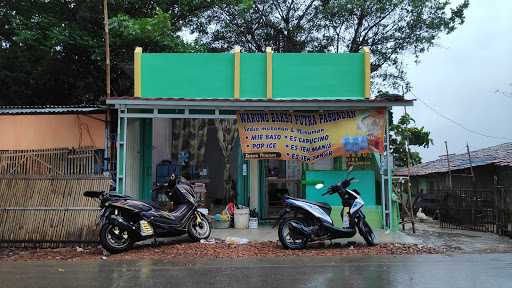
(500, 155)
(49, 109)
(237, 103)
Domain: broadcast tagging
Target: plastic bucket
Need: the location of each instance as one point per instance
(253, 223)
(220, 224)
(242, 218)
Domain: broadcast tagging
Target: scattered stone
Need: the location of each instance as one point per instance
(105, 253)
(208, 241)
(220, 249)
(78, 249)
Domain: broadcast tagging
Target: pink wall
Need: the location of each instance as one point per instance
(51, 131)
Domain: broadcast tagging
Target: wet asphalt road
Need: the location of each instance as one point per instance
(470, 270)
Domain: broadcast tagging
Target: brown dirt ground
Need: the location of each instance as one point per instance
(214, 250)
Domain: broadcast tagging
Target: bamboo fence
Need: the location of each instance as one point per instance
(41, 197)
(48, 212)
(50, 162)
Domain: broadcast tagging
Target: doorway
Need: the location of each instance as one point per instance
(278, 178)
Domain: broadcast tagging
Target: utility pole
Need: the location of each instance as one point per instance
(449, 167)
(107, 49)
(470, 163)
(108, 148)
(409, 180)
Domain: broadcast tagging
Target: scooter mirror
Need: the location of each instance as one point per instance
(355, 181)
(350, 168)
(319, 186)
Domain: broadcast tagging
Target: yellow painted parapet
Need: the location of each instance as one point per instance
(236, 79)
(268, 51)
(137, 83)
(367, 72)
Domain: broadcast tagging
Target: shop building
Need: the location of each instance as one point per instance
(183, 117)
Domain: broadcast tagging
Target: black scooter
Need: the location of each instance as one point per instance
(303, 221)
(125, 220)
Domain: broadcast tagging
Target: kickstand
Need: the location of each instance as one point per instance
(155, 242)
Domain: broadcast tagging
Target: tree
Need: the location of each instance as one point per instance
(402, 133)
(390, 28)
(52, 51)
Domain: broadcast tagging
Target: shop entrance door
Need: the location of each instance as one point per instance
(278, 178)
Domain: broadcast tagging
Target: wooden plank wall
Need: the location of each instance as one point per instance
(41, 201)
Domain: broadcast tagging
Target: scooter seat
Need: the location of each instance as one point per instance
(324, 206)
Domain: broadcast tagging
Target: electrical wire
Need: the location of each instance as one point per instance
(458, 123)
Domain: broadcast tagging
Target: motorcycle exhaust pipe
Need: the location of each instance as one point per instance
(121, 223)
(298, 227)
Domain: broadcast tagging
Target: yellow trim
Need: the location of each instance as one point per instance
(367, 72)
(137, 81)
(268, 51)
(236, 79)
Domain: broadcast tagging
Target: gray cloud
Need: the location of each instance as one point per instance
(460, 78)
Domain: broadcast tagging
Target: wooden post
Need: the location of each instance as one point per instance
(107, 48)
(236, 78)
(137, 70)
(367, 72)
(268, 52)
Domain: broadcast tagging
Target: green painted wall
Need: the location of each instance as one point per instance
(253, 76)
(366, 186)
(373, 216)
(187, 75)
(211, 75)
(242, 181)
(318, 76)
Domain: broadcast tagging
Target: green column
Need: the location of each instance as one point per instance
(146, 158)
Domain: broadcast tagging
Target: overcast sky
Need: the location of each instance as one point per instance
(459, 79)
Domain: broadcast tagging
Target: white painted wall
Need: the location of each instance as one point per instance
(162, 133)
(133, 158)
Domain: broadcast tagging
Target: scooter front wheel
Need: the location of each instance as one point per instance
(199, 228)
(289, 237)
(366, 232)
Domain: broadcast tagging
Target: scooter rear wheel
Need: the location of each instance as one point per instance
(115, 240)
(291, 239)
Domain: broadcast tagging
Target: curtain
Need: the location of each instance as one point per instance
(189, 135)
(226, 134)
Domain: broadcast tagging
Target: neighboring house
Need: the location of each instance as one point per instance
(477, 195)
(492, 166)
(49, 155)
(46, 127)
